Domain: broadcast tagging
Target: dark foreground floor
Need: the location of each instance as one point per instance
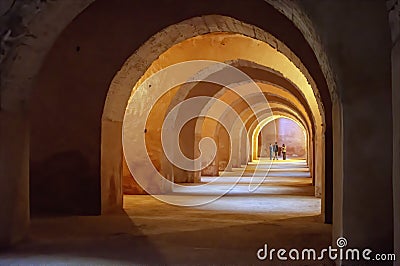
(282, 213)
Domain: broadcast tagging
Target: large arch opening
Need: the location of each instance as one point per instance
(110, 187)
(296, 89)
(278, 85)
(283, 79)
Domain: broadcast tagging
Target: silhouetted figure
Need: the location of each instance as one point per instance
(276, 149)
(284, 151)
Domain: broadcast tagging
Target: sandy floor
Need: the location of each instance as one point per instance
(282, 212)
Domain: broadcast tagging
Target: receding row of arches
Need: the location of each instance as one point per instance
(281, 84)
(79, 107)
(65, 93)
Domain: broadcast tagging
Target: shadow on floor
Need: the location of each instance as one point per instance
(90, 240)
(97, 241)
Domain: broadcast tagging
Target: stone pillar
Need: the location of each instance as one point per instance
(224, 149)
(14, 175)
(318, 163)
(310, 156)
(396, 141)
(394, 19)
(212, 169)
(244, 147)
(111, 167)
(236, 150)
(337, 121)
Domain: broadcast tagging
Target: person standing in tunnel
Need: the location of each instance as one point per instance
(271, 151)
(276, 149)
(284, 151)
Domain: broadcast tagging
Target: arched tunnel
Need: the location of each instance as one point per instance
(169, 132)
(255, 91)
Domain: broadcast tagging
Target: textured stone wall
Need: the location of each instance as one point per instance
(295, 11)
(394, 21)
(366, 97)
(28, 29)
(15, 17)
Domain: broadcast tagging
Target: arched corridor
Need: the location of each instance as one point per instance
(134, 132)
(249, 102)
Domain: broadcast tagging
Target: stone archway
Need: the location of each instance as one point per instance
(133, 73)
(18, 82)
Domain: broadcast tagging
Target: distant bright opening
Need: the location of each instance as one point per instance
(283, 131)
